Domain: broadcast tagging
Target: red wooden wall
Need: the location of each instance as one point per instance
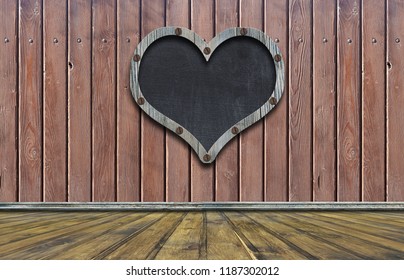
(70, 131)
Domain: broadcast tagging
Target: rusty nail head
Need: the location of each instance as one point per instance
(243, 31)
(179, 130)
(140, 101)
(325, 40)
(397, 40)
(136, 57)
(6, 40)
(206, 157)
(276, 40)
(206, 50)
(78, 40)
(277, 58)
(273, 101)
(235, 130)
(178, 31)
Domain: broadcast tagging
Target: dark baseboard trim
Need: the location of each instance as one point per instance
(197, 206)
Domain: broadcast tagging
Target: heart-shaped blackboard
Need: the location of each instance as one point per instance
(207, 92)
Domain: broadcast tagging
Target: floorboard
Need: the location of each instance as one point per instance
(201, 235)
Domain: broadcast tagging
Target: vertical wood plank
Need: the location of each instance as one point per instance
(395, 101)
(128, 114)
(79, 104)
(324, 96)
(55, 100)
(153, 142)
(104, 100)
(8, 101)
(177, 150)
(349, 115)
(30, 101)
(227, 162)
(276, 123)
(202, 175)
(373, 100)
(252, 140)
(300, 101)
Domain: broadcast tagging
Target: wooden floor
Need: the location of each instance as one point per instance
(202, 235)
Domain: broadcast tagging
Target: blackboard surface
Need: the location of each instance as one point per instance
(207, 98)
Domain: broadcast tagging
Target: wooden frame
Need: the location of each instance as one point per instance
(207, 156)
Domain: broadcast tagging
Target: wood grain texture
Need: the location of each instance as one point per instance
(104, 100)
(227, 163)
(177, 151)
(111, 239)
(252, 140)
(261, 239)
(222, 242)
(300, 101)
(128, 114)
(395, 101)
(185, 242)
(148, 243)
(349, 101)
(30, 101)
(153, 135)
(8, 101)
(373, 100)
(306, 243)
(79, 105)
(125, 156)
(324, 100)
(172, 235)
(276, 123)
(350, 243)
(202, 175)
(55, 100)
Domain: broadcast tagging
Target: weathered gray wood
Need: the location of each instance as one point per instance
(192, 206)
(201, 44)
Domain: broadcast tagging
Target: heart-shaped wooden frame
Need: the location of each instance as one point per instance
(207, 156)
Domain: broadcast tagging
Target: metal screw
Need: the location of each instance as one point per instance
(78, 40)
(206, 50)
(300, 40)
(276, 40)
(243, 31)
(140, 101)
(397, 40)
(235, 130)
(374, 41)
(104, 40)
(273, 101)
(206, 157)
(277, 58)
(136, 58)
(6, 40)
(178, 31)
(349, 40)
(55, 40)
(179, 130)
(127, 39)
(325, 40)
(30, 40)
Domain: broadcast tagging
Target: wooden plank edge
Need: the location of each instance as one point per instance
(195, 206)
